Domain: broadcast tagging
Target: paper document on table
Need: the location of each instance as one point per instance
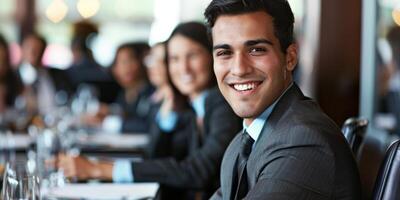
(112, 140)
(107, 191)
(16, 141)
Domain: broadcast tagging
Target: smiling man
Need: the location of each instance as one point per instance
(289, 148)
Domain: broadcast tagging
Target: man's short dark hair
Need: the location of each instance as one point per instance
(280, 11)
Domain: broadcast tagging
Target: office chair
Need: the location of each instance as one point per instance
(354, 130)
(387, 185)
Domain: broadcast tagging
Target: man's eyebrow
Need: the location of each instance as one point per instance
(247, 43)
(221, 46)
(258, 41)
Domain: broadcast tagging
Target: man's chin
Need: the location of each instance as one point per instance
(244, 113)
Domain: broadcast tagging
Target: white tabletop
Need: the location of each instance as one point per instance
(111, 140)
(115, 140)
(15, 141)
(107, 191)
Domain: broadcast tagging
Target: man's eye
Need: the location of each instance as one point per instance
(257, 51)
(223, 53)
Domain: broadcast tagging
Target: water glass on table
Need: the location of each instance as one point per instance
(20, 182)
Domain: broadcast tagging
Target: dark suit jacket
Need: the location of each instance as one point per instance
(87, 71)
(136, 113)
(300, 154)
(199, 169)
(169, 144)
(13, 85)
(60, 80)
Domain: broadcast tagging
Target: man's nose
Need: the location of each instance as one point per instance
(241, 65)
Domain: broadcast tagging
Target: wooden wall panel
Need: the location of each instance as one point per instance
(338, 62)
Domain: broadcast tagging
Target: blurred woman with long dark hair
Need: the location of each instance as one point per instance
(133, 101)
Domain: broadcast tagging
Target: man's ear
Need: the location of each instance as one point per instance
(291, 57)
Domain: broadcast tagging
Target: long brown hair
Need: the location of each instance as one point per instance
(138, 50)
(196, 32)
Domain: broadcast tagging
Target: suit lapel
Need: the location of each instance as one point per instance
(292, 95)
(228, 165)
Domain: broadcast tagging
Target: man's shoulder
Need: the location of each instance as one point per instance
(299, 111)
(300, 120)
(306, 122)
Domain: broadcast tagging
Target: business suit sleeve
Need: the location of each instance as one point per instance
(167, 144)
(135, 124)
(294, 170)
(202, 165)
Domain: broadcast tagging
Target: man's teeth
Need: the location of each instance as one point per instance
(244, 87)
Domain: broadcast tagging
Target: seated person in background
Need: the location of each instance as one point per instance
(289, 149)
(165, 99)
(133, 105)
(11, 85)
(45, 88)
(157, 72)
(84, 68)
(207, 127)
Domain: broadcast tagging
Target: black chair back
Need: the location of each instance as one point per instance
(387, 185)
(354, 130)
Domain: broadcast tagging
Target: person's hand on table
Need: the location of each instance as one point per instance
(81, 168)
(95, 119)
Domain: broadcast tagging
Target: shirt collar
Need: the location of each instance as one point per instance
(199, 103)
(254, 129)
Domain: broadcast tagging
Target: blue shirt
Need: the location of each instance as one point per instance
(168, 122)
(122, 172)
(122, 169)
(255, 128)
(199, 104)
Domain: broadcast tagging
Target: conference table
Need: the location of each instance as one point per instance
(101, 144)
(106, 191)
(131, 145)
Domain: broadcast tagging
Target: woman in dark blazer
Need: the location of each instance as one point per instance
(165, 98)
(197, 136)
(132, 104)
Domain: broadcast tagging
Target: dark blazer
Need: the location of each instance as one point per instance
(136, 113)
(88, 71)
(300, 154)
(198, 169)
(60, 80)
(169, 144)
(13, 86)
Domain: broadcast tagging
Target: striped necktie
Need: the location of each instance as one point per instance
(245, 150)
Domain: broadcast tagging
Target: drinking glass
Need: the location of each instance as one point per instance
(20, 182)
